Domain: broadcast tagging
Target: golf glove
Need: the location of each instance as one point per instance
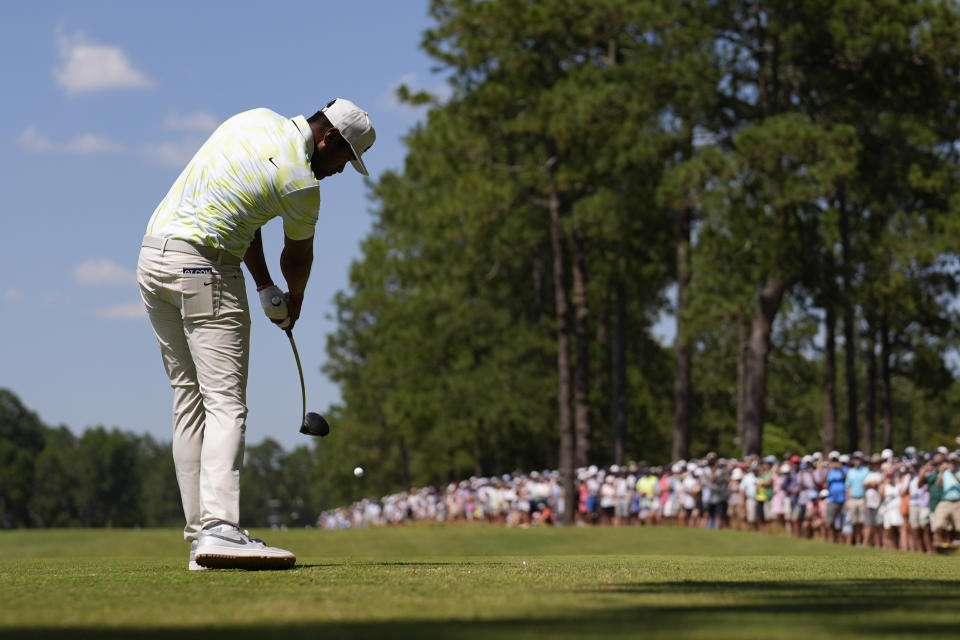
(274, 304)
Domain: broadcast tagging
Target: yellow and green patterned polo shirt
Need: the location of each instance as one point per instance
(254, 167)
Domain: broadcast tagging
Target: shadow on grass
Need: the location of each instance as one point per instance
(917, 607)
(300, 566)
(387, 563)
(881, 608)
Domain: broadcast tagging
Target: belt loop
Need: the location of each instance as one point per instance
(163, 245)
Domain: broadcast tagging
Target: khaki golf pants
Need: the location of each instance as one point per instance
(197, 303)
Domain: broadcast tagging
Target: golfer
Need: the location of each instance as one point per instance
(256, 166)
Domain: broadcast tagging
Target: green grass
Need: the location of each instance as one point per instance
(475, 582)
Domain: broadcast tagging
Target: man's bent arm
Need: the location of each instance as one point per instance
(257, 263)
(295, 263)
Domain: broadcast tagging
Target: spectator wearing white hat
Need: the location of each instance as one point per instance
(806, 495)
(593, 483)
(622, 492)
(748, 495)
(779, 502)
(719, 498)
(765, 492)
(890, 510)
(904, 475)
(918, 517)
(667, 488)
(608, 500)
(872, 500)
(690, 487)
(736, 500)
(856, 502)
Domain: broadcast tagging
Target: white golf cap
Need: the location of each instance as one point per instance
(355, 127)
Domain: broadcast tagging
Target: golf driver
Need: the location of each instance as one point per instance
(313, 424)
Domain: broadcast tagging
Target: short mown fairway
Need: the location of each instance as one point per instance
(475, 582)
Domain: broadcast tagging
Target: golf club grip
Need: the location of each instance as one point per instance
(303, 388)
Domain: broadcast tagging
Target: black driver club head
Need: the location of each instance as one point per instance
(314, 424)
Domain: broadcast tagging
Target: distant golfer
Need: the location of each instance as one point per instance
(256, 166)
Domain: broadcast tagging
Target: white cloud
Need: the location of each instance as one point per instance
(102, 271)
(174, 154)
(12, 296)
(388, 98)
(91, 143)
(122, 311)
(83, 143)
(87, 66)
(200, 122)
(34, 141)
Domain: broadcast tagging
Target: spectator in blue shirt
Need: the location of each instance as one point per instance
(836, 486)
(856, 504)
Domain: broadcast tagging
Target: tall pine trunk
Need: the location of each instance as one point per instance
(743, 353)
(618, 368)
(850, 364)
(564, 421)
(829, 435)
(681, 379)
(870, 391)
(581, 371)
(849, 333)
(761, 327)
(886, 392)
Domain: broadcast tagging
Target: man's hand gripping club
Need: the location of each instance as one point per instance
(274, 303)
(283, 309)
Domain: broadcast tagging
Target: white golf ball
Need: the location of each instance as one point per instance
(358, 472)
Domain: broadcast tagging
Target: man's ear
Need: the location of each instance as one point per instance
(331, 136)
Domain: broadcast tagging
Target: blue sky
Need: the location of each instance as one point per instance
(104, 103)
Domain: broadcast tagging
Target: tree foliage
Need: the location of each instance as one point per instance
(111, 478)
(761, 121)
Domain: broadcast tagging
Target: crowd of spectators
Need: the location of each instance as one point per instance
(909, 502)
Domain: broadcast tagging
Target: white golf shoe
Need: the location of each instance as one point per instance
(224, 546)
(192, 565)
